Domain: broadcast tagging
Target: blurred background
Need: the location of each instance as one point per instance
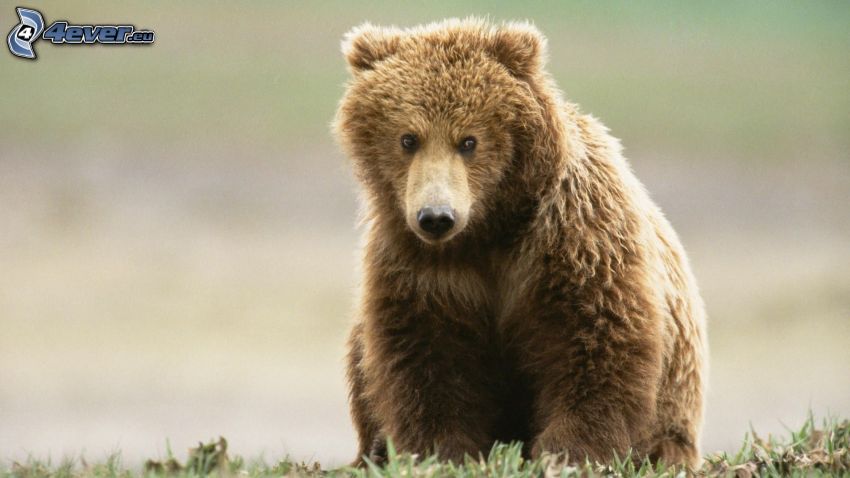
(178, 241)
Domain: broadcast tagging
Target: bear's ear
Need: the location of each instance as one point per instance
(367, 44)
(520, 47)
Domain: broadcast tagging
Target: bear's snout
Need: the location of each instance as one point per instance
(437, 199)
(436, 220)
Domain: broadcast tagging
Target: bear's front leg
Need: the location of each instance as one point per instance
(596, 382)
(425, 374)
(362, 415)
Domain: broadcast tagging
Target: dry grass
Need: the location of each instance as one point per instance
(809, 451)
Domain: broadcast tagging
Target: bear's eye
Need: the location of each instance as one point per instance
(409, 142)
(467, 145)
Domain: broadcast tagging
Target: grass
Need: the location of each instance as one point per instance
(810, 451)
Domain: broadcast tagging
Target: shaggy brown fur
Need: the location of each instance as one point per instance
(560, 310)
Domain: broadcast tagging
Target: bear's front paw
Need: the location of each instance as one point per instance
(378, 453)
(457, 447)
(560, 442)
(582, 438)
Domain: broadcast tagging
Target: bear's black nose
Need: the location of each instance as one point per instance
(436, 220)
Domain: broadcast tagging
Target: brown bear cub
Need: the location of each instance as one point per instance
(518, 282)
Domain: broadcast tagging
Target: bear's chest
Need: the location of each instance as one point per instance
(482, 293)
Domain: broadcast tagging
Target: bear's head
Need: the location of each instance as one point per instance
(433, 117)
